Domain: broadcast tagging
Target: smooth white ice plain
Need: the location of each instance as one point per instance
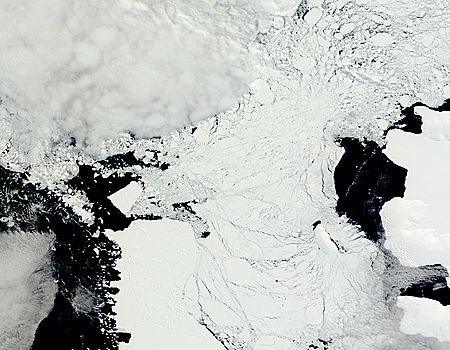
(426, 317)
(418, 225)
(158, 260)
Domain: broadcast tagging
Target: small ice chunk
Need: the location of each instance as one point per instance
(264, 24)
(313, 16)
(201, 135)
(338, 36)
(315, 2)
(322, 23)
(404, 100)
(347, 28)
(446, 91)
(305, 64)
(324, 241)
(383, 124)
(377, 19)
(382, 39)
(126, 197)
(427, 39)
(261, 90)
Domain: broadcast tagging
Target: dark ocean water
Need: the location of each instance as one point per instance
(84, 259)
(83, 263)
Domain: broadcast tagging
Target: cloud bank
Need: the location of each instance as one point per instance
(91, 69)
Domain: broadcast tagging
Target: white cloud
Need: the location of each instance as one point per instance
(94, 68)
(27, 288)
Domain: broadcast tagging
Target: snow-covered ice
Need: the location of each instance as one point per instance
(159, 260)
(418, 225)
(426, 317)
(256, 177)
(126, 197)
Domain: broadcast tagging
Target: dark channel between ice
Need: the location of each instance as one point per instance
(365, 179)
(77, 268)
(80, 270)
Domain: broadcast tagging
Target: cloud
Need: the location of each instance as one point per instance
(91, 69)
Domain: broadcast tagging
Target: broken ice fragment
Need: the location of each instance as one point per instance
(382, 39)
(313, 16)
(126, 197)
(261, 91)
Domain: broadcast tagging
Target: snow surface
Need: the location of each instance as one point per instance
(263, 174)
(159, 260)
(259, 175)
(426, 317)
(418, 225)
